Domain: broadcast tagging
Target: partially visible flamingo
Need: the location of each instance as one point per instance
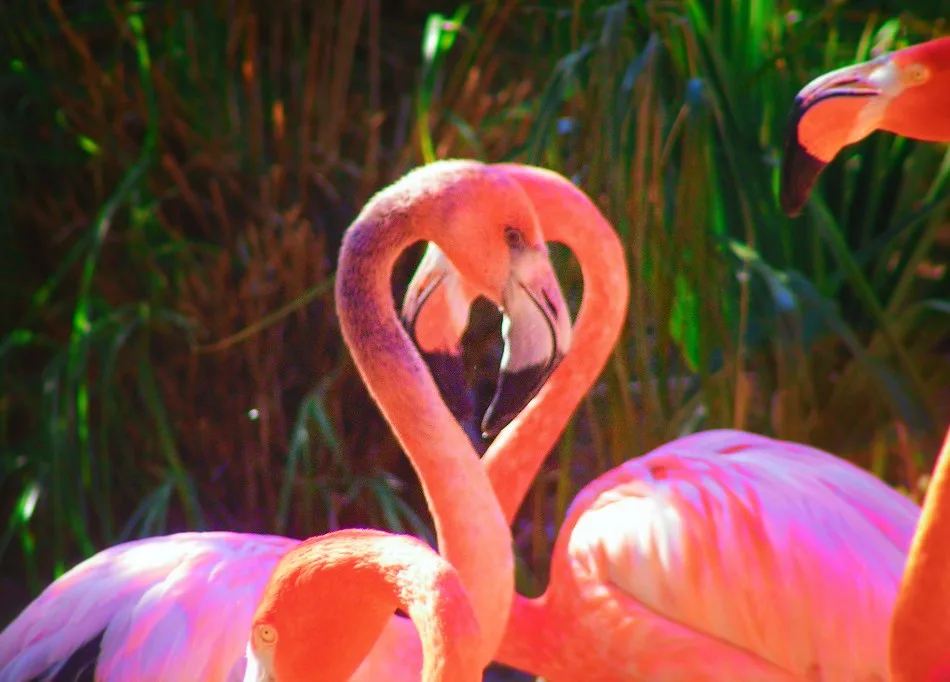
(719, 556)
(330, 597)
(906, 92)
(180, 607)
(920, 630)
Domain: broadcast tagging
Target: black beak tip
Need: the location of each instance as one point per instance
(448, 371)
(800, 170)
(495, 421)
(791, 200)
(515, 390)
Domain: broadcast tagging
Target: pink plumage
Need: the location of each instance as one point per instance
(721, 555)
(173, 607)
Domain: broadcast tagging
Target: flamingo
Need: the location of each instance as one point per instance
(721, 555)
(180, 606)
(329, 598)
(920, 632)
(906, 92)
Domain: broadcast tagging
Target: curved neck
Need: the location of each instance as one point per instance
(472, 534)
(399, 571)
(345, 586)
(430, 591)
(536, 640)
(568, 216)
(920, 631)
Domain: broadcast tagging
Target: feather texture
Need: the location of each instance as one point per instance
(173, 607)
(761, 545)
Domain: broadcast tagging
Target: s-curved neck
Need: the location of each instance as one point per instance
(568, 216)
(920, 631)
(472, 533)
(428, 588)
(538, 641)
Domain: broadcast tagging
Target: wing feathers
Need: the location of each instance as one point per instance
(777, 548)
(173, 607)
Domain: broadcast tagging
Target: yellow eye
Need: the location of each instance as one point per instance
(917, 73)
(267, 634)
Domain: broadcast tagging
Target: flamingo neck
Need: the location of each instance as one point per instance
(472, 533)
(345, 586)
(920, 631)
(535, 638)
(568, 216)
(430, 591)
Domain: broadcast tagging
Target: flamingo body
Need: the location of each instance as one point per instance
(771, 559)
(172, 607)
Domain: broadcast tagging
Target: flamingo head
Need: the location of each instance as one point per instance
(503, 257)
(321, 611)
(906, 92)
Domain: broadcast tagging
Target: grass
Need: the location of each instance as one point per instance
(180, 174)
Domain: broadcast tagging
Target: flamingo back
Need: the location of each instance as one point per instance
(172, 607)
(775, 548)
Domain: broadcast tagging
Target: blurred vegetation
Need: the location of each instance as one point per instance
(177, 176)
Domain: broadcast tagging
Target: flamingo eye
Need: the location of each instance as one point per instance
(917, 73)
(267, 634)
(514, 238)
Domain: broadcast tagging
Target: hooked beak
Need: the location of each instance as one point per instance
(536, 330)
(537, 333)
(834, 110)
(435, 313)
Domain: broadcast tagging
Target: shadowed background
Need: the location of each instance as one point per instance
(177, 176)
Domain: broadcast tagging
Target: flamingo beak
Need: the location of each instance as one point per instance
(536, 329)
(435, 313)
(834, 110)
(537, 333)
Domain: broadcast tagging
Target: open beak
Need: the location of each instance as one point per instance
(537, 333)
(435, 313)
(834, 110)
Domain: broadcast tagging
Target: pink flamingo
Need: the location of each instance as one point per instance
(721, 555)
(920, 632)
(906, 92)
(135, 611)
(330, 597)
